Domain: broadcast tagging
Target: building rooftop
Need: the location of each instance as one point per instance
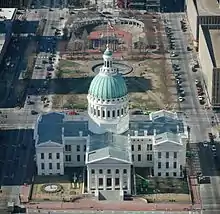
(52, 125)
(7, 13)
(167, 136)
(108, 145)
(207, 7)
(212, 37)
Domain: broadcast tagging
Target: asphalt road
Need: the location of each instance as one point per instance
(108, 212)
(197, 118)
(16, 161)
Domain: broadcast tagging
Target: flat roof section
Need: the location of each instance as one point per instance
(7, 13)
(208, 7)
(215, 40)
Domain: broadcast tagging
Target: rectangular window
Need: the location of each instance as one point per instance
(68, 148)
(68, 158)
(100, 181)
(167, 165)
(159, 165)
(167, 154)
(139, 157)
(98, 113)
(159, 174)
(42, 156)
(174, 174)
(84, 148)
(175, 155)
(132, 157)
(58, 165)
(78, 158)
(117, 181)
(42, 166)
(108, 113)
(84, 158)
(109, 171)
(50, 156)
(159, 155)
(139, 147)
(167, 174)
(149, 157)
(132, 147)
(122, 111)
(58, 155)
(50, 166)
(174, 165)
(78, 148)
(92, 171)
(149, 147)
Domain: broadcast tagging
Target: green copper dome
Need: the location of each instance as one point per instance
(107, 87)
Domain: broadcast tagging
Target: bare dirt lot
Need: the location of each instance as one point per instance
(148, 84)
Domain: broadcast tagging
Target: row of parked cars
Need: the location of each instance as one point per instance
(200, 92)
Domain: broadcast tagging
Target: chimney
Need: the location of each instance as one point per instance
(155, 132)
(145, 132)
(80, 133)
(135, 133)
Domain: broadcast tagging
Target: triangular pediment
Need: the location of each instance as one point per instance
(49, 144)
(108, 160)
(169, 145)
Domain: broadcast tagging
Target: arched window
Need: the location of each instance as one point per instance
(103, 113)
(122, 111)
(107, 64)
(98, 113)
(113, 113)
(94, 111)
(108, 114)
(118, 113)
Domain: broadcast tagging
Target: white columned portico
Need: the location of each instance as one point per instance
(113, 179)
(129, 181)
(121, 179)
(96, 180)
(104, 179)
(88, 179)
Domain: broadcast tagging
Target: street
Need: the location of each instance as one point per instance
(197, 117)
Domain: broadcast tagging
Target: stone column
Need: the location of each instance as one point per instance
(121, 179)
(96, 180)
(113, 179)
(104, 179)
(88, 180)
(129, 180)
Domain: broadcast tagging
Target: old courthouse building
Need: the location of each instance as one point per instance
(109, 142)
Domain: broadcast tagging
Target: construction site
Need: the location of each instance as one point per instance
(137, 42)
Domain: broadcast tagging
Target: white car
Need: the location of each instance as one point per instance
(201, 98)
(197, 82)
(181, 99)
(213, 148)
(205, 144)
(172, 54)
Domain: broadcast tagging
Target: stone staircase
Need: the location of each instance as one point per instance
(110, 195)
